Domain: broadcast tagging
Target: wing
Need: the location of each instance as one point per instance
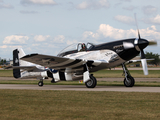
(62, 63)
(137, 61)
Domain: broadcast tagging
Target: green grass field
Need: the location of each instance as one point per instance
(78, 105)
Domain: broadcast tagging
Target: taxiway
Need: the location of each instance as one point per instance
(80, 88)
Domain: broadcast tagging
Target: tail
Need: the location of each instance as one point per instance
(17, 54)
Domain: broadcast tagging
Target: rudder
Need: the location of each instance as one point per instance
(16, 72)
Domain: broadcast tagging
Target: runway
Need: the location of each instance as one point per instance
(80, 88)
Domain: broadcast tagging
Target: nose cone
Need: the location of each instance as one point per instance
(142, 43)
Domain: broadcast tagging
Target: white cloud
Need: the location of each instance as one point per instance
(15, 39)
(7, 6)
(107, 31)
(149, 9)
(155, 20)
(4, 46)
(88, 4)
(38, 2)
(10, 47)
(59, 39)
(125, 19)
(40, 38)
(83, 5)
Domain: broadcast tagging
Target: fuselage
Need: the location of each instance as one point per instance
(114, 53)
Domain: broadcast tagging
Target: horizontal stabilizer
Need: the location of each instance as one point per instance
(28, 68)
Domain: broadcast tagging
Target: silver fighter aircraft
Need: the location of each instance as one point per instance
(78, 61)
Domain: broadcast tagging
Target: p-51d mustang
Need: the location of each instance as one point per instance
(77, 61)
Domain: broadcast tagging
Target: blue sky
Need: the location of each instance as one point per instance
(48, 26)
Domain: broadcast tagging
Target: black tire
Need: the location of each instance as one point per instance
(40, 84)
(130, 82)
(92, 82)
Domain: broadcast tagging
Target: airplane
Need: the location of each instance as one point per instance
(78, 61)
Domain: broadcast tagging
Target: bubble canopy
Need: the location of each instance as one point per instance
(76, 47)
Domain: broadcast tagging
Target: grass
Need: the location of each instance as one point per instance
(78, 105)
(6, 73)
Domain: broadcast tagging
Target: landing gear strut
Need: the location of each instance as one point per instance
(128, 80)
(40, 83)
(92, 82)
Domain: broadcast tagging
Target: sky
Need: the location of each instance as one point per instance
(48, 26)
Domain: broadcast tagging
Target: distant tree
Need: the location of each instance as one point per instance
(150, 55)
(4, 61)
(1, 62)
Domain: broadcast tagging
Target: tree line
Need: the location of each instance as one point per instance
(150, 55)
(3, 61)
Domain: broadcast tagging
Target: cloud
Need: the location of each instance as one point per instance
(109, 32)
(28, 12)
(10, 47)
(40, 38)
(148, 10)
(38, 2)
(59, 39)
(15, 39)
(88, 4)
(6, 6)
(155, 20)
(125, 19)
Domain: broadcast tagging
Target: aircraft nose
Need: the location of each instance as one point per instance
(142, 43)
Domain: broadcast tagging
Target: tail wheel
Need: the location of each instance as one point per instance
(129, 82)
(40, 83)
(92, 82)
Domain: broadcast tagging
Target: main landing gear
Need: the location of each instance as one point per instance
(92, 82)
(128, 80)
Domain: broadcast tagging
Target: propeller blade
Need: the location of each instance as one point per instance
(137, 26)
(152, 42)
(144, 63)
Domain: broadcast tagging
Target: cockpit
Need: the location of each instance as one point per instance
(76, 47)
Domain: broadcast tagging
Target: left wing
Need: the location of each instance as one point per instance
(61, 63)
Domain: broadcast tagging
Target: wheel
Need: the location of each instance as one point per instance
(130, 82)
(92, 82)
(40, 83)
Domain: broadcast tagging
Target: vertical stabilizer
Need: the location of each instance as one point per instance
(17, 54)
(16, 72)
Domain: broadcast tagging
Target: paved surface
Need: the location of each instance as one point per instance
(83, 87)
(80, 88)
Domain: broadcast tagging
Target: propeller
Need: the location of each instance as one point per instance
(139, 44)
(140, 48)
